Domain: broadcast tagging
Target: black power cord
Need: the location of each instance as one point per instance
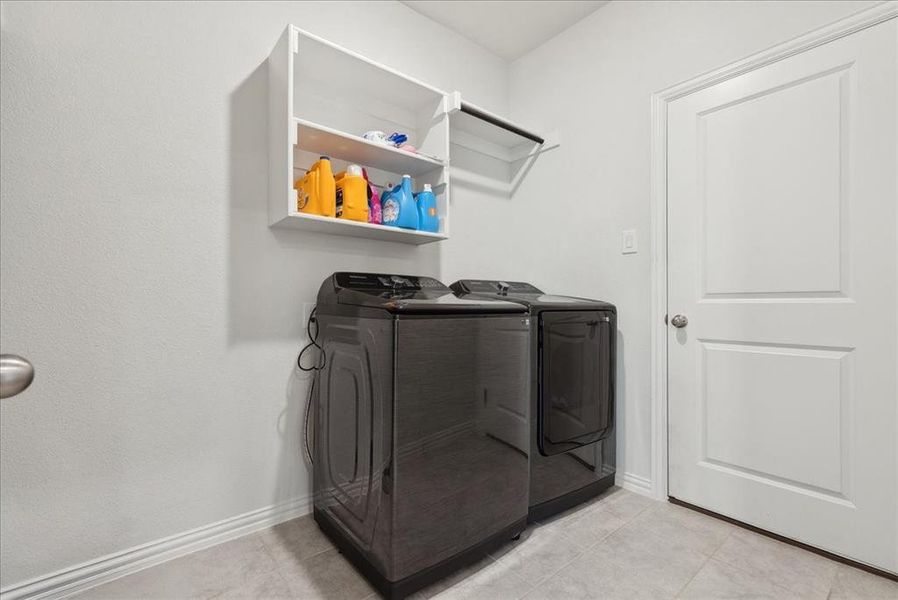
(316, 368)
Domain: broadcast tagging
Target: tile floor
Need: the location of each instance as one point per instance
(620, 545)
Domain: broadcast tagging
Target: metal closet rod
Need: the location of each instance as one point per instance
(493, 120)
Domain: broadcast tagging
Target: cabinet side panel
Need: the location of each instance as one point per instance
(280, 156)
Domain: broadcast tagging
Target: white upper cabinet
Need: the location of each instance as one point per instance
(324, 97)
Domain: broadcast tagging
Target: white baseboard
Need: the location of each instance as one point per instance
(635, 483)
(78, 578)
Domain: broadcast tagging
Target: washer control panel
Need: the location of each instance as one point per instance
(378, 282)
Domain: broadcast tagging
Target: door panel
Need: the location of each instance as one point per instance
(791, 134)
(749, 424)
(782, 253)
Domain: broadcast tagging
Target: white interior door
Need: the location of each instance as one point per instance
(782, 256)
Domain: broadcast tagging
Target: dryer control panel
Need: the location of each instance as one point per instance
(485, 286)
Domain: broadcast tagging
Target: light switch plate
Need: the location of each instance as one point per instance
(628, 244)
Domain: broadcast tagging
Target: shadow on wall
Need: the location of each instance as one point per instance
(252, 305)
(483, 173)
(263, 299)
(273, 273)
(620, 413)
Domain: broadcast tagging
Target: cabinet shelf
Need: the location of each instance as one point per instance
(319, 224)
(323, 140)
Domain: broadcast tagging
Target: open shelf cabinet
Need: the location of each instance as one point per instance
(322, 98)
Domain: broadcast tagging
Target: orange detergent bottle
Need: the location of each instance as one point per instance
(352, 194)
(316, 191)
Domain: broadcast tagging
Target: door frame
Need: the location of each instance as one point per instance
(660, 100)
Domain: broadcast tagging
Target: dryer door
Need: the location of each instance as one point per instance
(576, 385)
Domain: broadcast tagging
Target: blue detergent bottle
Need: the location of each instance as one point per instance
(399, 208)
(428, 219)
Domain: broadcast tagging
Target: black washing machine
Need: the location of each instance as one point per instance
(572, 392)
(421, 427)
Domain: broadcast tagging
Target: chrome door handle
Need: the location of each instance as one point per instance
(16, 374)
(679, 321)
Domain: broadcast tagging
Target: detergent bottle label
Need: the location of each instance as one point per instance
(302, 200)
(390, 211)
(339, 202)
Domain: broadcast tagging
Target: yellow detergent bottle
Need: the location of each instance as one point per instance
(316, 191)
(352, 195)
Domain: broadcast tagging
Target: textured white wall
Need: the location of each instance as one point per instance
(594, 83)
(139, 273)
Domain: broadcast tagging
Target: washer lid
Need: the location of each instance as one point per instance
(525, 293)
(404, 294)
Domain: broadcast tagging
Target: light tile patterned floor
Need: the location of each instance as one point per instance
(620, 545)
